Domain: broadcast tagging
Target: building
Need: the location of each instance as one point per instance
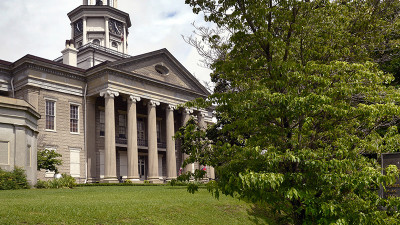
(109, 114)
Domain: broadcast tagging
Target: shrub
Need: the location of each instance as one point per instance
(128, 181)
(12, 180)
(66, 181)
(48, 160)
(41, 184)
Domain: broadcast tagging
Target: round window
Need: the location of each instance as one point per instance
(161, 69)
(114, 44)
(96, 42)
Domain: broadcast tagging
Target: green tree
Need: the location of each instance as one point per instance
(299, 100)
(48, 160)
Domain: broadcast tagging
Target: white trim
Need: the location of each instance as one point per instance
(78, 119)
(55, 114)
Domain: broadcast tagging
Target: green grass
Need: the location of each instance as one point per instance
(131, 204)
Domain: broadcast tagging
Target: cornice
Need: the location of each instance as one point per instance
(55, 72)
(141, 78)
(96, 8)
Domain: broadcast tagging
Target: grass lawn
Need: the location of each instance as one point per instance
(131, 204)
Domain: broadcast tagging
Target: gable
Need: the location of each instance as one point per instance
(163, 67)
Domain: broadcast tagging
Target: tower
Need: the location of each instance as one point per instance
(99, 33)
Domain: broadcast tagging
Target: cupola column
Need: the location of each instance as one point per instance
(107, 32)
(125, 51)
(84, 31)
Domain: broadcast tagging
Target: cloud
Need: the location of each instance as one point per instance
(41, 28)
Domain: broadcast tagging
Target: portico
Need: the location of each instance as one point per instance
(126, 117)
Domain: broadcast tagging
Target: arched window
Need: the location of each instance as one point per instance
(114, 44)
(96, 41)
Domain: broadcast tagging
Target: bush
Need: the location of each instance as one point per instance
(41, 184)
(12, 180)
(66, 181)
(128, 181)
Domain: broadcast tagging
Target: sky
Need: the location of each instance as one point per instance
(40, 28)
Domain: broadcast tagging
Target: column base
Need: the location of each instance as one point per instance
(91, 180)
(171, 178)
(135, 180)
(156, 181)
(110, 180)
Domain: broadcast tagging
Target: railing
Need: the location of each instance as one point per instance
(161, 145)
(101, 48)
(140, 142)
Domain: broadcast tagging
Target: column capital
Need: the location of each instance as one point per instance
(187, 110)
(153, 103)
(106, 18)
(171, 107)
(134, 98)
(203, 114)
(109, 94)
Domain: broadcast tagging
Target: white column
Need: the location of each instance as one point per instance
(185, 118)
(170, 132)
(72, 30)
(107, 38)
(84, 32)
(133, 172)
(116, 4)
(110, 165)
(152, 141)
(125, 50)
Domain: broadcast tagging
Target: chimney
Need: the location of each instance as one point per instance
(70, 54)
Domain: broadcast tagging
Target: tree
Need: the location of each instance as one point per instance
(48, 160)
(299, 100)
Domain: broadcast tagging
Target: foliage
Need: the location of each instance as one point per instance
(128, 181)
(48, 160)
(118, 184)
(11, 180)
(66, 181)
(299, 99)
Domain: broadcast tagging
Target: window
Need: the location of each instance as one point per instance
(75, 165)
(141, 132)
(122, 125)
(102, 123)
(96, 41)
(74, 118)
(161, 69)
(79, 44)
(28, 156)
(158, 131)
(50, 115)
(4, 152)
(114, 44)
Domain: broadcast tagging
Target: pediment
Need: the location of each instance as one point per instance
(161, 66)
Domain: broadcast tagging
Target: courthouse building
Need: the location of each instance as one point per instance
(109, 114)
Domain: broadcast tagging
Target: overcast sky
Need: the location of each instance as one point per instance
(40, 28)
